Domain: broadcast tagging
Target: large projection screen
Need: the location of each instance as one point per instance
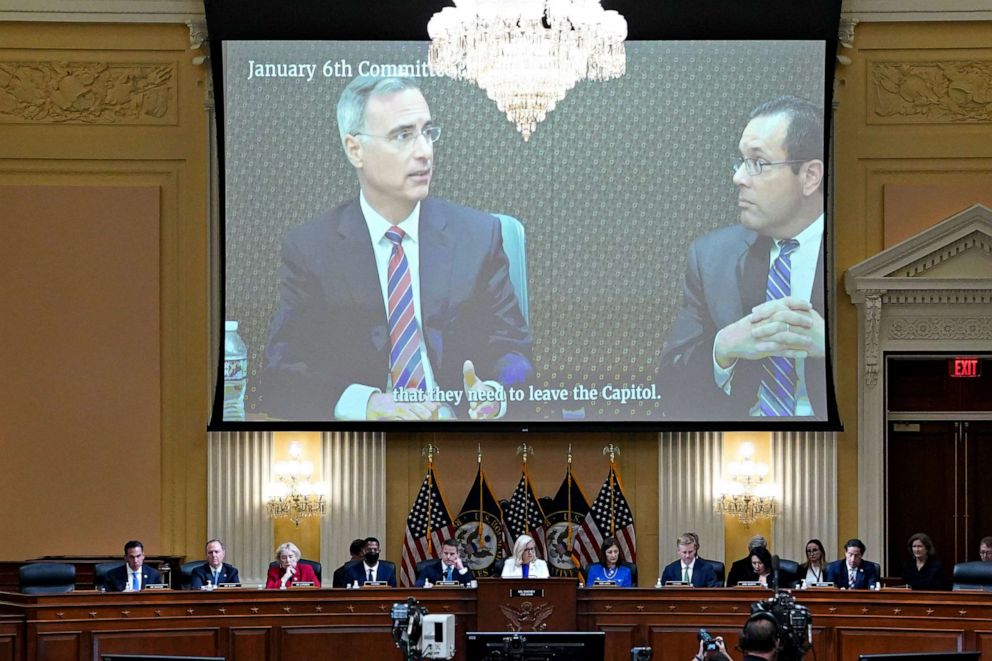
(573, 270)
(609, 192)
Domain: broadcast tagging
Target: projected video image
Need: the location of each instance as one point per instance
(394, 250)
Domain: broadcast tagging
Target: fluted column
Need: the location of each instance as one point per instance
(355, 470)
(237, 470)
(804, 464)
(688, 467)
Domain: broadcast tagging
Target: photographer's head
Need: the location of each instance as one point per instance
(760, 636)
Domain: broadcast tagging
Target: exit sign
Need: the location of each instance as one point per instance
(964, 366)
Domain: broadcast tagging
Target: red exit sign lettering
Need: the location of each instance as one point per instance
(965, 366)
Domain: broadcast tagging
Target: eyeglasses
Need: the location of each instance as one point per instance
(754, 166)
(406, 138)
(531, 549)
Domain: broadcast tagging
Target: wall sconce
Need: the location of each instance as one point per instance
(292, 495)
(745, 494)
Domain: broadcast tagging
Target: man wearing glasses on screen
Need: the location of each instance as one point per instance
(749, 339)
(394, 305)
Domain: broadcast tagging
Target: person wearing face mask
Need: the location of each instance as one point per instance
(371, 568)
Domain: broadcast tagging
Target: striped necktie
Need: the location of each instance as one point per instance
(405, 367)
(777, 392)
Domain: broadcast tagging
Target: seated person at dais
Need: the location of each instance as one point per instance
(814, 570)
(690, 568)
(371, 569)
(449, 567)
(290, 570)
(853, 571)
(214, 571)
(525, 563)
(923, 570)
(761, 563)
(609, 567)
(134, 575)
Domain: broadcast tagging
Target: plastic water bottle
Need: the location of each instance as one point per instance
(235, 372)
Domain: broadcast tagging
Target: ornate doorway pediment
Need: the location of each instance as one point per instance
(932, 292)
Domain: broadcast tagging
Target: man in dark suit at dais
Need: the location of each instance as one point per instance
(749, 338)
(133, 576)
(394, 305)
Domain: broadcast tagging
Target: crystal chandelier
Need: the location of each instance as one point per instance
(292, 495)
(746, 495)
(526, 54)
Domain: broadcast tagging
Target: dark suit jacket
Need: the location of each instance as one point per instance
(201, 575)
(741, 570)
(118, 578)
(340, 577)
(703, 574)
(867, 574)
(329, 330)
(386, 572)
(725, 278)
(433, 573)
(931, 577)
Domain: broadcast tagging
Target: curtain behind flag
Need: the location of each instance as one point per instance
(523, 514)
(479, 528)
(566, 513)
(609, 514)
(427, 526)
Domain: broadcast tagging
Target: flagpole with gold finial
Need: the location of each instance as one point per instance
(430, 450)
(613, 451)
(526, 450)
(481, 529)
(568, 511)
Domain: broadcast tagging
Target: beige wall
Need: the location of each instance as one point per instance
(103, 165)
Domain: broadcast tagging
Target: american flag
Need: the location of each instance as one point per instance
(610, 515)
(523, 514)
(429, 510)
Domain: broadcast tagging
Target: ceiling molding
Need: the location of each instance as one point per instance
(101, 11)
(916, 10)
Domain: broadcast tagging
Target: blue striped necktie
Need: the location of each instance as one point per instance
(777, 392)
(405, 367)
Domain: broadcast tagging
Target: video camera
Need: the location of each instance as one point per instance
(421, 635)
(795, 624)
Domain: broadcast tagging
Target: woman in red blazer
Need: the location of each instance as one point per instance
(289, 571)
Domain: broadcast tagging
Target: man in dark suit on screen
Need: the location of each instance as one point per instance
(749, 339)
(132, 576)
(394, 305)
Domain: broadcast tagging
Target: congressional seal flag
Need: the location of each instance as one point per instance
(427, 526)
(609, 515)
(523, 514)
(566, 512)
(479, 527)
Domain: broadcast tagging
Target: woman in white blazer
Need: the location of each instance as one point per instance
(525, 563)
